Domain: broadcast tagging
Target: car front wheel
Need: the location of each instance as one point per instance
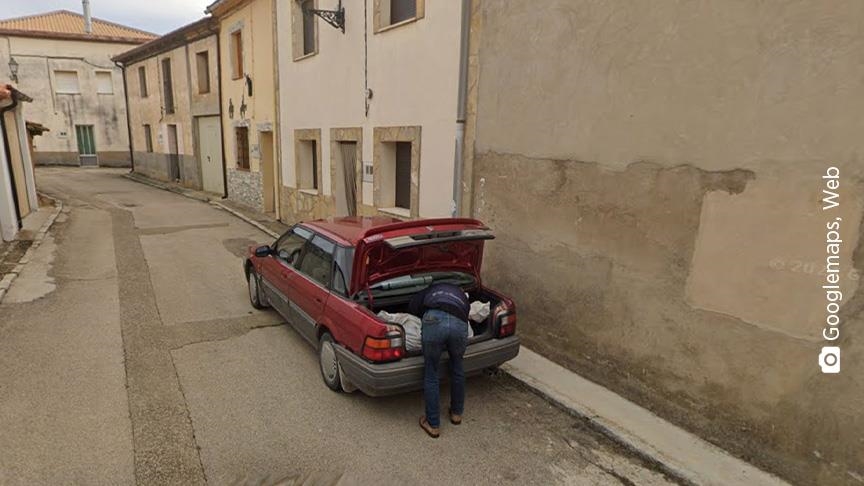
(255, 295)
(329, 364)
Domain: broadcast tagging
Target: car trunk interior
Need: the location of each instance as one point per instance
(482, 330)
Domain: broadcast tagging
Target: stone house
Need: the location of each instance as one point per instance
(64, 61)
(654, 173)
(247, 82)
(366, 127)
(173, 84)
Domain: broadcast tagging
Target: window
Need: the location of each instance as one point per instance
(66, 82)
(288, 247)
(142, 81)
(396, 163)
(403, 175)
(241, 135)
(202, 60)
(390, 13)
(236, 50)
(308, 154)
(317, 260)
(104, 83)
(308, 27)
(167, 86)
(402, 10)
(304, 29)
(148, 138)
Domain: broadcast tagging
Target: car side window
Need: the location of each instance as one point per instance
(340, 283)
(317, 261)
(288, 247)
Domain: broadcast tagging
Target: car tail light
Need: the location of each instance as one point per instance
(391, 347)
(506, 318)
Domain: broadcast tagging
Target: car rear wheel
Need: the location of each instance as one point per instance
(328, 362)
(255, 296)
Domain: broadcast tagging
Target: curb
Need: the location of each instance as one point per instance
(245, 218)
(167, 187)
(6, 283)
(215, 202)
(681, 455)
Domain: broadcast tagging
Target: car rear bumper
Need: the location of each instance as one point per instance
(377, 379)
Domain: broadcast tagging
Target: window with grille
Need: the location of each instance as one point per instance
(241, 135)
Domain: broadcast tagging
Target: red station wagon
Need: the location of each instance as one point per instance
(329, 279)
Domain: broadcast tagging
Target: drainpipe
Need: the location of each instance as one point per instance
(122, 67)
(456, 208)
(88, 23)
(221, 125)
(8, 152)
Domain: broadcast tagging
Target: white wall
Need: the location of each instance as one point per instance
(413, 73)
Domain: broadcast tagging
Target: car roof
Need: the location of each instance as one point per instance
(349, 230)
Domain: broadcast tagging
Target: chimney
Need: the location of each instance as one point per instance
(88, 23)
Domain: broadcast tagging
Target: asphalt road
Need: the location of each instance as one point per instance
(129, 354)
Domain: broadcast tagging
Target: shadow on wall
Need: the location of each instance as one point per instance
(663, 284)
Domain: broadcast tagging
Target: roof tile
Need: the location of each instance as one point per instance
(69, 23)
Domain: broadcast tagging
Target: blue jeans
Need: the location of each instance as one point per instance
(442, 331)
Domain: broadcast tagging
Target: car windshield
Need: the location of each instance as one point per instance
(419, 281)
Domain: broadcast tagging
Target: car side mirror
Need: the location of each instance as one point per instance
(263, 251)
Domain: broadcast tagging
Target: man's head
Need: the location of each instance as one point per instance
(5, 91)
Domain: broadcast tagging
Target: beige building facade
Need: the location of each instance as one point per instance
(173, 85)
(655, 174)
(247, 60)
(77, 90)
(368, 117)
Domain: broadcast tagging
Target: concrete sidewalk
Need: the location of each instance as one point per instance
(15, 254)
(680, 454)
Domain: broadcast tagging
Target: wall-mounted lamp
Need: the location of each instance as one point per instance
(249, 85)
(13, 68)
(230, 108)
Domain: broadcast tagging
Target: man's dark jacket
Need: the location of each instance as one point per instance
(445, 297)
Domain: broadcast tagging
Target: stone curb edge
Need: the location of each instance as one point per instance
(6, 283)
(213, 202)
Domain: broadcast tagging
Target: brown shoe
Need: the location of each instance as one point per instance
(432, 431)
(455, 419)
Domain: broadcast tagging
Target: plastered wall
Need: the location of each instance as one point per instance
(653, 172)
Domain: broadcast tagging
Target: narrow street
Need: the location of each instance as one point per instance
(129, 354)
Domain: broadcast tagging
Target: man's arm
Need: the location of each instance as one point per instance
(415, 306)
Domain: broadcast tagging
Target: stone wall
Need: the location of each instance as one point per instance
(106, 159)
(245, 187)
(300, 206)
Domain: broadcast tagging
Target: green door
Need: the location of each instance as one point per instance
(86, 144)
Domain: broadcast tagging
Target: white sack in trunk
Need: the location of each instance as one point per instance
(479, 311)
(413, 327)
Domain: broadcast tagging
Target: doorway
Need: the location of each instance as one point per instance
(346, 179)
(86, 146)
(268, 172)
(210, 154)
(173, 154)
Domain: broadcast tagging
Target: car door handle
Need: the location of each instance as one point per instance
(318, 299)
(285, 275)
